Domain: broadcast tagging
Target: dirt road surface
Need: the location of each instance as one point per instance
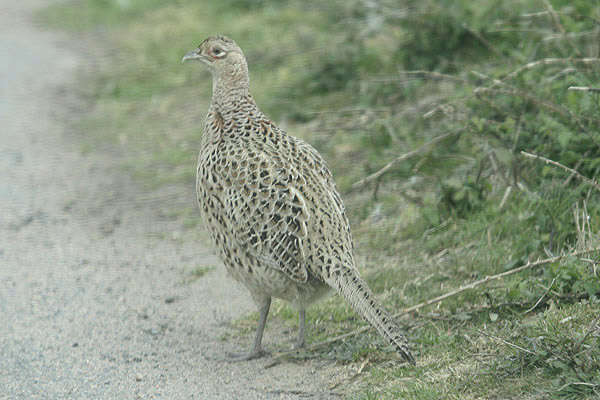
(93, 302)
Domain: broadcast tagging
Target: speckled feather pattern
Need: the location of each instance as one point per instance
(272, 209)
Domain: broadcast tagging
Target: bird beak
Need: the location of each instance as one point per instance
(192, 55)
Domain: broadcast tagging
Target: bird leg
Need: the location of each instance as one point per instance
(300, 341)
(256, 351)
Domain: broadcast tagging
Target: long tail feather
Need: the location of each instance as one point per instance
(355, 290)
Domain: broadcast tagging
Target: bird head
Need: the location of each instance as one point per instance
(222, 56)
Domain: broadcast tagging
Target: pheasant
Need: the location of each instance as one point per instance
(271, 207)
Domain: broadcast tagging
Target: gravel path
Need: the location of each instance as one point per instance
(93, 302)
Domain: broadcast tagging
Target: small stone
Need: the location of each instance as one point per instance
(138, 377)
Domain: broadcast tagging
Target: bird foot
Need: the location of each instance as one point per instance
(251, 355)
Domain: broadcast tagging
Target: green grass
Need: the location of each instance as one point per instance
(366, 85)
(195, 273)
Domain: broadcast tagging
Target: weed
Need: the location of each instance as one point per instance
(196, 273)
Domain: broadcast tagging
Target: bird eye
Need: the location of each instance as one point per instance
(218, 52)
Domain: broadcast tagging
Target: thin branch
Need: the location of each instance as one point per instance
(472, 285)
(537, 303)
(151, 199)
(516, 92)
(591, 328)
(554, 16)
(592, 385)
(584, 89)
(528, 66)
(568, 14)
(511, 90)
(568, 180)
(351, 110)
(404, 156)
(442, 106)
(494, 162)
(435, 75)
(547, 61)
(317, 345)
(571, 170)
(490, 278)
(535, 14)
(390, 130)
(483, 40)
(506, 342)
(568, 36)
(507, 193)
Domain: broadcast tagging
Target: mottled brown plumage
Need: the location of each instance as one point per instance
(270, 204)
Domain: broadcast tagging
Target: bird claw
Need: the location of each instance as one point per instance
(251, 355)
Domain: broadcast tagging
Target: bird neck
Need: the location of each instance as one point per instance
(230, 90)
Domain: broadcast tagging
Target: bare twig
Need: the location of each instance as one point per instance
(484, 307)
(435, 75)
(472, 285)
(151, 199)
(541, 298)
(547, 61)
(571, 170)
(591, 328)
(507, 193)
(596, 172)
(512, 91)
(490, 278)
(351, 110)
(583, 228)
(584, 89)
(483, 40)
(390, 130)
(528, 66)
(494, 162)
(568, 180)
(515, 346)
(442, 106)
(554, 16)
(317, 345)
(351, 378)
(404, 156)
(535, 14)
(592, 385)
(495, 105)
(515, 29)
(516, 92)
(568, 14)
(568, 36)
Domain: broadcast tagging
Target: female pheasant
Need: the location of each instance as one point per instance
(271, 206)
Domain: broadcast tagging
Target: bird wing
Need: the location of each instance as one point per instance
(276, 186)
(270, 216)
